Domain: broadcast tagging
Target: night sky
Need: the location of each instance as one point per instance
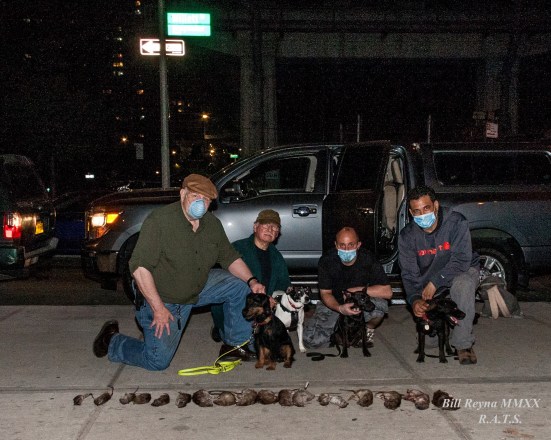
(56, 66)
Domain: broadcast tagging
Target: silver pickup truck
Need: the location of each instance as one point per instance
(504, 190)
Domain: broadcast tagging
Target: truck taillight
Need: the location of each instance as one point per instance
(11, 226)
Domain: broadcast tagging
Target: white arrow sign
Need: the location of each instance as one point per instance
(152, 46)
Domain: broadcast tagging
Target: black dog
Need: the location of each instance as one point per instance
(441, 316)
(271, 338)
(350, 330)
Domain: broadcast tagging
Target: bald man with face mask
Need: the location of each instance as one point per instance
(347, 267)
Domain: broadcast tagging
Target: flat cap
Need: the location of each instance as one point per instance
(268, 216)
(201, 185)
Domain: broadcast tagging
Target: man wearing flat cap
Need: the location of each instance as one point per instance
(262, 257)
(172, 265)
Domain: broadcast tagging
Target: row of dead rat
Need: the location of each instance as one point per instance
(287, 397)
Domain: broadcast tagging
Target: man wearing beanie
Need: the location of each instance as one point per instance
(172, 265)
(262, 257)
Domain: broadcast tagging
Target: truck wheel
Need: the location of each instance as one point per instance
(498, 263)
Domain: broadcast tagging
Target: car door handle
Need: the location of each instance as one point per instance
(365, 211)
(304, 211)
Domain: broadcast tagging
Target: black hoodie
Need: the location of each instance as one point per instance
(438, 256)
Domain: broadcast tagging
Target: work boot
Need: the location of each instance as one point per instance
(101, 343)
(466, 356)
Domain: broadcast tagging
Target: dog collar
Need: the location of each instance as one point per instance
(263, 323)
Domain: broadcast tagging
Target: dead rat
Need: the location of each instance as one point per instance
(391, 399)
(105, 397)
(140, 399)
(325, 399)
(285, 397)
(363, 397)
(183, 399)
(225, 398)
(128, 397)
(77, 400)
(246, 397)
(302, 397)
(266, 397)
(443, 400)
(202, 398)
(420, 399)
(163, 399)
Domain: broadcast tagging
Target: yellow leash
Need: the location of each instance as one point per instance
(217, 367)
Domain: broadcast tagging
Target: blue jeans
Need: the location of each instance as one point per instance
(156, 354)
(319, 328)
(462, 291)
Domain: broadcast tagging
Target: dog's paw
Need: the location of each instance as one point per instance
(302, 349)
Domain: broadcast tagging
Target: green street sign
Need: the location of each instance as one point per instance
(188, 24)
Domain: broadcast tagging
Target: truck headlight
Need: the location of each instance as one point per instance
(99, 223)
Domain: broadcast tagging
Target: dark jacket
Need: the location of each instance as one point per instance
(437, 257)
(280, 274)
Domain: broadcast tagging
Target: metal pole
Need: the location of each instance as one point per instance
(358, 128)
(429, 126)
(165, 158)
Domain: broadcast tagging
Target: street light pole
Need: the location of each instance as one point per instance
(165, 159)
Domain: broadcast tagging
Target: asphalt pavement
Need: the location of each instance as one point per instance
(47, 360)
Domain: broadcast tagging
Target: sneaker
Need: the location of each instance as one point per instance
(370, 335)
(229, 353)
(466, 356)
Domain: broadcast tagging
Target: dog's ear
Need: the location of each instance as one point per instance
(346, 294)
(290, 289)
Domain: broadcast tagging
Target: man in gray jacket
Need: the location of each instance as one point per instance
(435, 251)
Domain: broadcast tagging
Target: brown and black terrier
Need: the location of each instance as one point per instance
(271, 338)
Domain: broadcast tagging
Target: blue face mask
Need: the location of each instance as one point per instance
(425, 221)
(197, 209)
(346, 256)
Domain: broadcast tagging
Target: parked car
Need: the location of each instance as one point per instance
(70, 210)
(504, 190)
(27, 216)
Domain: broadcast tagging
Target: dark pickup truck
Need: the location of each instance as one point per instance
(504, 190)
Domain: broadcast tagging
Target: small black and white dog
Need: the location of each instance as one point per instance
(290, 309)
(350, 330)
(441, 316)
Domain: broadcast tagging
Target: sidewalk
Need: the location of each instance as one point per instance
(47, 360)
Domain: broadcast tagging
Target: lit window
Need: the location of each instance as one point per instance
(139, 91)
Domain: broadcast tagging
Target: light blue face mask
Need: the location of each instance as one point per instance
(346, 256)
(197, 209)
(425, 221)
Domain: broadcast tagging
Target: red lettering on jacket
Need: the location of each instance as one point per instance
(432, 251)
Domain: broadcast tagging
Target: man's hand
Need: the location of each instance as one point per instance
(348, 309)
(257, 287)
(420, 307)
(428, 291)
(161, 318)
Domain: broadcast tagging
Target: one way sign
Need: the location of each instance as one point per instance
(152, 46)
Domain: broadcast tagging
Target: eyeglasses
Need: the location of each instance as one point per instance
(268, 227)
